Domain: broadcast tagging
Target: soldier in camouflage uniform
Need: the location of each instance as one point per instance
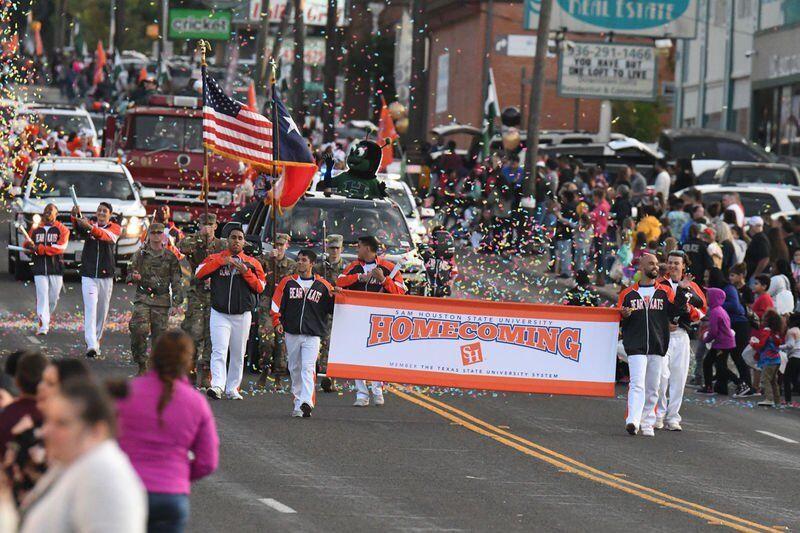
(272, 346)
(198, 308)
(329, 267)
(154, 270)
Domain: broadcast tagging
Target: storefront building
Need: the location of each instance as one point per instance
(776, 77)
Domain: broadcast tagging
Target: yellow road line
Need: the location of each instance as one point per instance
(576, 467)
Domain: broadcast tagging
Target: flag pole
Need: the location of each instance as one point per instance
(276, 156)
(203, 45)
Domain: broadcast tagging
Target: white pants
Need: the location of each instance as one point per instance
(301, 353)
(363, 392)
(674, 372)
(643, 389)
(48, 288)
(96, 301)
(228, 331)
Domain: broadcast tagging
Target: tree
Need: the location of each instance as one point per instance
(641, 120)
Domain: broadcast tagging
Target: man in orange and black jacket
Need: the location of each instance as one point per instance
(373, 274)
(647, 308)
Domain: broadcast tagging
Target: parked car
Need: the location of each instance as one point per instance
(400, 193)
(709, 149)
(757, 199)
(766, 173)
(95, 180)
(348, 217)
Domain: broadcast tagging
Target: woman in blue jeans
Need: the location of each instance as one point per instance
(162, 419)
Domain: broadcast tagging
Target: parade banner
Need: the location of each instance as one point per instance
(474, 344)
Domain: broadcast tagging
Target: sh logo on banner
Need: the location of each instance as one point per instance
(471, 354)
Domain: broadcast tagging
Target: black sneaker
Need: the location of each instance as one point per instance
(306, 410)
(91, 354)
(630, 428)
(327, 384)
(743, 391)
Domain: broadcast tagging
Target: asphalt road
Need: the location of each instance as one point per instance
(449, 460)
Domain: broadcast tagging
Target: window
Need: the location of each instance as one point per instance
(88, 184)
(744, 8)
(167, 133)
(773, 176)
(303, 223)
(756, 203)
(712, 148)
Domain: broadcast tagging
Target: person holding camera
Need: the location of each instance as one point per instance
(373, 274)
(236, 281)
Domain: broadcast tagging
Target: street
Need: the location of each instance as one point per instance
(448, 460)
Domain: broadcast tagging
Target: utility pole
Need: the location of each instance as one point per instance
(537, 90)
(283, 27)
(112, 27)
(261, 49)
(487, 48)
(61, 40)
(329, 71)
(299, 64)
(418, 96)
(727, 88)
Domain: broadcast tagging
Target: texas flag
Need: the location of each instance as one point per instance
(293, 157)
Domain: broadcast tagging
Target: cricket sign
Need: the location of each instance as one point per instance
(608, 71)
(199, 24)
(474, 344)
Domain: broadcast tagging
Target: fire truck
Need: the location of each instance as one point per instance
(161, 144)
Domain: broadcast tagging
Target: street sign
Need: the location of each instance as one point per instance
(520, 45)
(199, 24)
(607, 71)
(652, 18)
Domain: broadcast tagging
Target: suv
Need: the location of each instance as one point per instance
(765, 173)
(95, 180)
(348, 217)
(59, 117)
(757, 199)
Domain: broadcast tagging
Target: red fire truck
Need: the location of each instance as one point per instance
(161, 144)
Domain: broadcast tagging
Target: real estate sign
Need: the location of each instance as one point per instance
(652, 18)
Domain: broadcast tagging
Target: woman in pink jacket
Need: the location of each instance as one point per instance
(162, 419)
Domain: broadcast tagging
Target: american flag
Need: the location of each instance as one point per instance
(233, 130)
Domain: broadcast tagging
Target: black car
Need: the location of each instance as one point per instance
(697, 143)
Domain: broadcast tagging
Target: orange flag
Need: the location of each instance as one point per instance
(251, 96)
(36, 26)
(142, 75)
(386, 130)
(100, 63)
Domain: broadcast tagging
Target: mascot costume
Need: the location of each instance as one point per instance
(359, 180)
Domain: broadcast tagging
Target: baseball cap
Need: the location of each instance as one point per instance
(281, 238)
(755, 221)
(156, 227)
(334, 241)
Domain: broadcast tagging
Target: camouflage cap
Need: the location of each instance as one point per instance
(334, 241)
(156, 227)
(281, 238)
(207, 219)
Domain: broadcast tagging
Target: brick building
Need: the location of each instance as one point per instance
(457, 36)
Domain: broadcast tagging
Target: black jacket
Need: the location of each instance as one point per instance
(302, 312)
(232, 293)
(97, 258)
(49, 243)
(646, 330)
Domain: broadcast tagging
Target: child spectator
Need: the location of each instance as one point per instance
(600, 219)
(763, 299)
(582, 293)
(582, 239)
(765, 342)
(792, 349)
(721, 337)
(677, 218)
(738, 277)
